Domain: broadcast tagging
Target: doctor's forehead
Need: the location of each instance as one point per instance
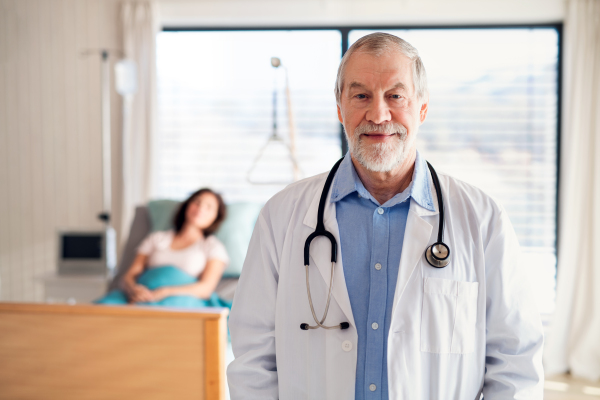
(361, 86)
(392, 67)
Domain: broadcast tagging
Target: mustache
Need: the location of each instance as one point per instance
(390, 128)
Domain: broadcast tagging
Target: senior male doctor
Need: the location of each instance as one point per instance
(416, 332)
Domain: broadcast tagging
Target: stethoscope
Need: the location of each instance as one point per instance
(437, 255)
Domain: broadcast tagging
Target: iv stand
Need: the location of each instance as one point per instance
(276, 62)
(105, 215)
(106, 153)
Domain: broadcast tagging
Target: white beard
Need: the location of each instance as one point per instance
(379, 157)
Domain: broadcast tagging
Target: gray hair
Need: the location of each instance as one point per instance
(376, 44)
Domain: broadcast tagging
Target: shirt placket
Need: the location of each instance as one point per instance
(377, 304)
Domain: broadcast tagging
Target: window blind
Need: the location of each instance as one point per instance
(215, 93)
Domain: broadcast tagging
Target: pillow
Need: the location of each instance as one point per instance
(234, 233)
(162, 213)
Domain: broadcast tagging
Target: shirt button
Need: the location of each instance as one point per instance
(347, 345)
(377, 266)
(374, 325)
(380, 210)
(372, 387)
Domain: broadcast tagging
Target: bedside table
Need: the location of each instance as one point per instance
(73, 289)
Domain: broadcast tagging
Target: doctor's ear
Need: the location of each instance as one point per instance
(423, 110)
(340, 118)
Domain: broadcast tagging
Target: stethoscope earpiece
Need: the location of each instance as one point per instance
(343, 325)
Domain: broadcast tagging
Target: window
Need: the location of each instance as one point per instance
(215, 95)
(492, 122)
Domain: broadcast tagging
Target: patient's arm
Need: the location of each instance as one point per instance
(206, 285)
(135, 292)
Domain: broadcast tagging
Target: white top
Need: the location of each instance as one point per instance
(191, 259)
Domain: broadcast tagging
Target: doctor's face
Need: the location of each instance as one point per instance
(380, 110)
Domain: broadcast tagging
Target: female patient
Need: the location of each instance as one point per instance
(180, 267)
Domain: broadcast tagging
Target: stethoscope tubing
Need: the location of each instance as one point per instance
(430, 256)
(312, 309)
(321, 231)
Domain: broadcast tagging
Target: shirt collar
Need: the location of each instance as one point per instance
(347, 181)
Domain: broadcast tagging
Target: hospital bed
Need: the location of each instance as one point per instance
(50, 351)
(235, 234)
(67, 352)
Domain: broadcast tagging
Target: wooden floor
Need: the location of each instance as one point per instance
(565, 387)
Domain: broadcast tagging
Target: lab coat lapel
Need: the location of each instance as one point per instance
(320, 254)
(417, 236)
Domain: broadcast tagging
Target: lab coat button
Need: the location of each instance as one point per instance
(380, 210)
(372, 387)
(377, 266)
(347, 345)
(374, 325)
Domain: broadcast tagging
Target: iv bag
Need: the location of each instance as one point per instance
(126, 77)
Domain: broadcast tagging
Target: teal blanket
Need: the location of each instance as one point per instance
(166, 276)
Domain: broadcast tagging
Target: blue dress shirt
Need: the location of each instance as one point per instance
(371, 236)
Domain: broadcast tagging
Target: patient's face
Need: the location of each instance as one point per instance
(202, 210)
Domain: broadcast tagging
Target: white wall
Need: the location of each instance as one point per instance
(50, 139)
(357, 12)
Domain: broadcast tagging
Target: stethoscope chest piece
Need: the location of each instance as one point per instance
(438, 255)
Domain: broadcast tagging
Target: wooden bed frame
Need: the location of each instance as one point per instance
(111, 352)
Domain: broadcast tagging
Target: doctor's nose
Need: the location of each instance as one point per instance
(378, 112)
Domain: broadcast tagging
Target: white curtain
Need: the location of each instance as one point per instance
(139, 19)
(573, 343)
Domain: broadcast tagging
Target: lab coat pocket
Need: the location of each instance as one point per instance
(448, 316)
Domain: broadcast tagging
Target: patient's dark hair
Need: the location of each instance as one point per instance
(179, 219)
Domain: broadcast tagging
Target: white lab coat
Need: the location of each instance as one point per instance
(450, 327)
